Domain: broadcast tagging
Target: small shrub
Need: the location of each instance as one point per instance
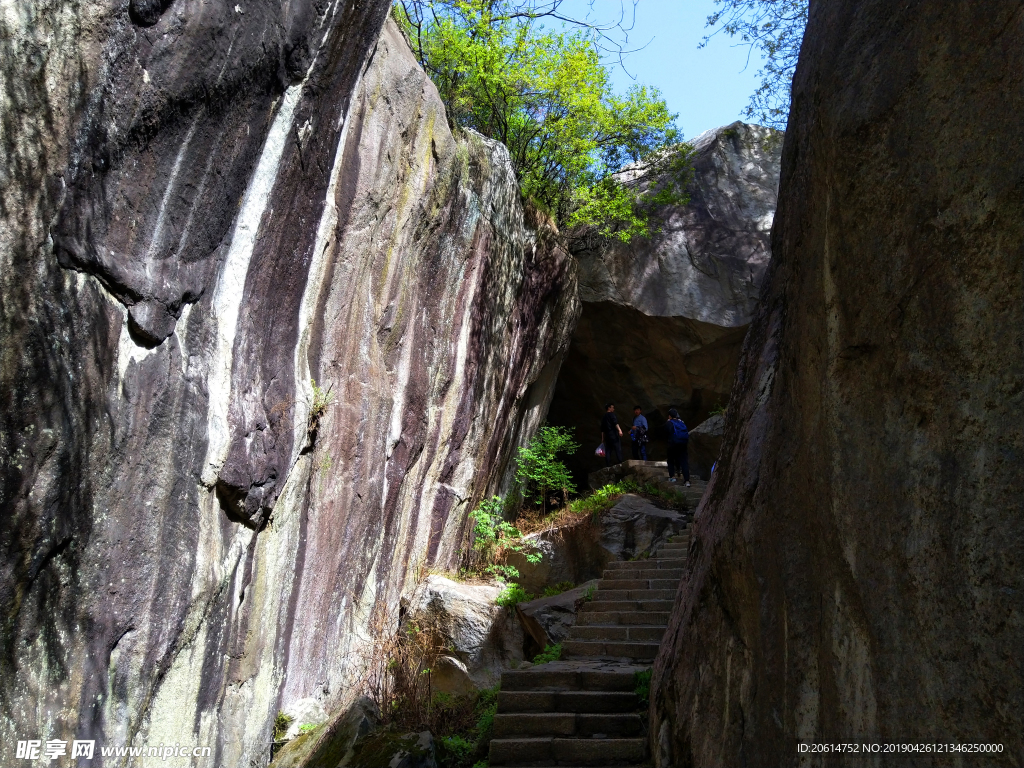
(559, 588)
(718, 410)
(322, 400)
(307, 728)
(550, 653)
(493, 538)
(642, 687)
(512, 595)
(281, 725)
(589, 594)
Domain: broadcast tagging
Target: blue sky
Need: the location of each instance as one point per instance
(708, 87)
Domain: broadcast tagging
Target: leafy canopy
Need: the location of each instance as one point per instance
(776, 29)
(547, 96)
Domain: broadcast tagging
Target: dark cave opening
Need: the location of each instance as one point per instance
(620, 355)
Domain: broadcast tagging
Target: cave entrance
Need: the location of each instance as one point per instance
(620, 355)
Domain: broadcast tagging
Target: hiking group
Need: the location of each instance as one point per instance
(675, 430)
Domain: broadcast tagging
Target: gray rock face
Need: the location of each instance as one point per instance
(706, 445)
(482, 638)
(547, 620)
(857, 569)
(664, 318)
(707, 261)
(204, 208)
(581, 552)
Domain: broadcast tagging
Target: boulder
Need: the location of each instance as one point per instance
(547, 620)
(390, 749)
(331, 745)
(304, 712)
(481, 638)
(857, 566)
(664, 317)
(581, 552)
(706, 444)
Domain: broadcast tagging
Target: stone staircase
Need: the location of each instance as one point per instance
(583, 709)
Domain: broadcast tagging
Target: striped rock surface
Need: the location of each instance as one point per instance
(205, 207)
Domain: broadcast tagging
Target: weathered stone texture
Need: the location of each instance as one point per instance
(206, 207)
(857, 571)
(664, 317)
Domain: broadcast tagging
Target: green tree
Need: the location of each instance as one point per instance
(540, 470)
(547, 96)
(776, 29)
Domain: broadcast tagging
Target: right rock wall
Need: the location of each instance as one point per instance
(857, 570)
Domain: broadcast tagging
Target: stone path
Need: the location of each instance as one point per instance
(583, 710)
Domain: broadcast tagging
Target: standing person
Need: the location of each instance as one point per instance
(610, 434)
(678, 441)
(639, 434)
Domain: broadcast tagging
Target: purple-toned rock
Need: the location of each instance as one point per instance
(206, 207)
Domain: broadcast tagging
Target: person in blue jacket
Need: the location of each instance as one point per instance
(638, 434)
(678, 443)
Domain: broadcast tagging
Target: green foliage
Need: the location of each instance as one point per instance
(717, 410)
(493, 536)
(281, 725)
(776, 29)
(550, 653)
(605, 497)
(462, 744)
(589, 595)
(307, 728)
(559, 588)
(538, 467)
(512, 595)
(547, 96)
(642, 687)
(322, 400)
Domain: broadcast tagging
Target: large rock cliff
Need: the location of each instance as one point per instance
(206, 208)
(664, 317)
(857, 571)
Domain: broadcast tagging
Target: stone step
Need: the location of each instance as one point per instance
(526, 724)
(583, 752)
(632, 574)
(635, 594)
(603, 606)
(638, 584)
(587, 701)
(573, 676)
(659, 618)
(653, 562)
(611, 649)
(618, 632)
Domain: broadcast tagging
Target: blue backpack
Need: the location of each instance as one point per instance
(677, 434)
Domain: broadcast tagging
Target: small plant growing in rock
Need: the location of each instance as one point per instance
(550, 653)
(642, 689)
(493, 537)
(589, 595)
(512, 595)
(281, 725)
(306, 728)
(321, 401)
(559, 588)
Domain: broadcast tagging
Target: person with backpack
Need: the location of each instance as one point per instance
(638, 434)
(610, 434)
(678, 441)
